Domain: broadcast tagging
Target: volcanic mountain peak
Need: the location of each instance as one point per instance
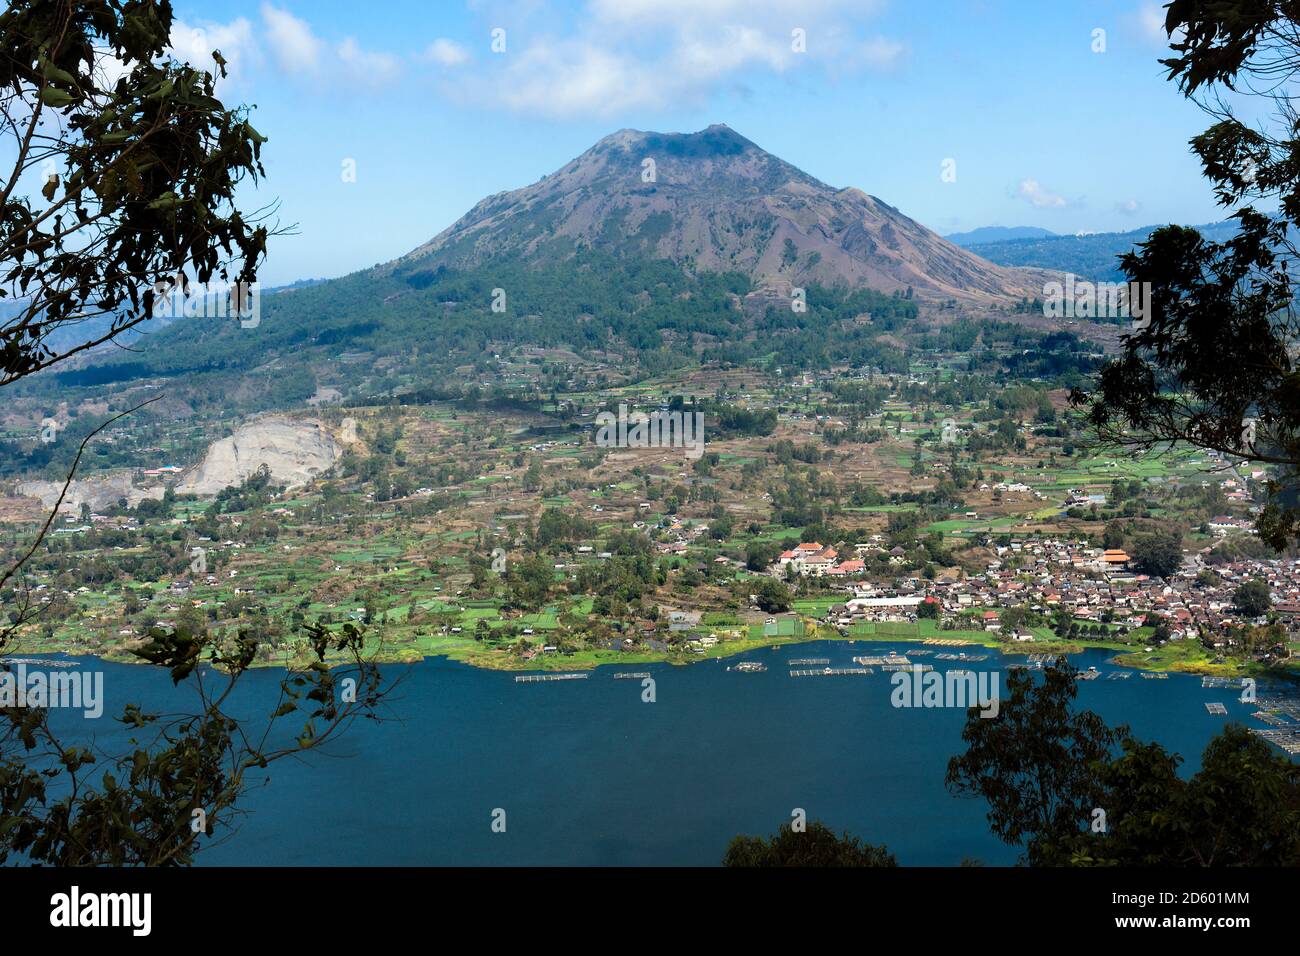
(714, 201)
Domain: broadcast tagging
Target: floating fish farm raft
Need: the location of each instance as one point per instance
(832, 672)
(1282, 713)
(532, 678)
(635, 675)
(1223, 682)
(1288, 739)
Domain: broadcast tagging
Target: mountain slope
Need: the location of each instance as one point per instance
(716, 203)
(604, 269)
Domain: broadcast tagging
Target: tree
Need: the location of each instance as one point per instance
(928, 609)
(1242, 808)
(184, 774)
(137, 177)
(772, 596)
(817, 846)
(759, 554)
(136, 164)
(1212, 362)
(1034, 761)
(1253, 598)
(1159, 553)
(1017, 618)
(1075, 792)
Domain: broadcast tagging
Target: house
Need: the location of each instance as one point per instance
(809, 557)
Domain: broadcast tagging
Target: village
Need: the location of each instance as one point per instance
(1053, 576)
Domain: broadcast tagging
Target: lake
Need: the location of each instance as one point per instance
(587, 773)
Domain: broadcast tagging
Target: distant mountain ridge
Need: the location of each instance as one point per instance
(997, 234)
(1093, 256)
(714, 201)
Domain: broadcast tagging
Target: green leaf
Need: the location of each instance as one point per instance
(51, 96)
(55, 75)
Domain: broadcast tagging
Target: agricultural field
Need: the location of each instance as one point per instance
(502, 535)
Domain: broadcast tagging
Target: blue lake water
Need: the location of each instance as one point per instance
(587, 773)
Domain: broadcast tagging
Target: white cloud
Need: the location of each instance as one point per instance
(614, 56)
(793, 12)
(653, 54)
(1128, 207)
(367, 66)
(1032, 192)
(295, 47)
(701, 58)
(194, 43)
(567, 78)
(1152, 20)
(880, 53)
(447, 53)
(289, 44)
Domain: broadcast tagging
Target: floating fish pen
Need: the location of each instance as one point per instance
(913, 652)
(945, 642)
(1040, 658)
(1217, 709)
(832, 672)
(637, 675)
(809, 661)
(1279, 702)
(961, 657)
(748, 667)
(1220, 683)
(1035, 666)
(1288, 740)
(37, 662)
(869, 661)
(1087, 675)
(888, 668)
(1119, 675)
(1275, 720)
(1159, 675)
(1288, 707)
(530, 678)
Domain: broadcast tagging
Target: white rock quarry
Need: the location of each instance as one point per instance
(98, 492)
(295, 451)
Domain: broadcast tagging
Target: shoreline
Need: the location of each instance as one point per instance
(1169, 658)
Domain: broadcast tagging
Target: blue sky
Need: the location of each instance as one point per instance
(1043, 130)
